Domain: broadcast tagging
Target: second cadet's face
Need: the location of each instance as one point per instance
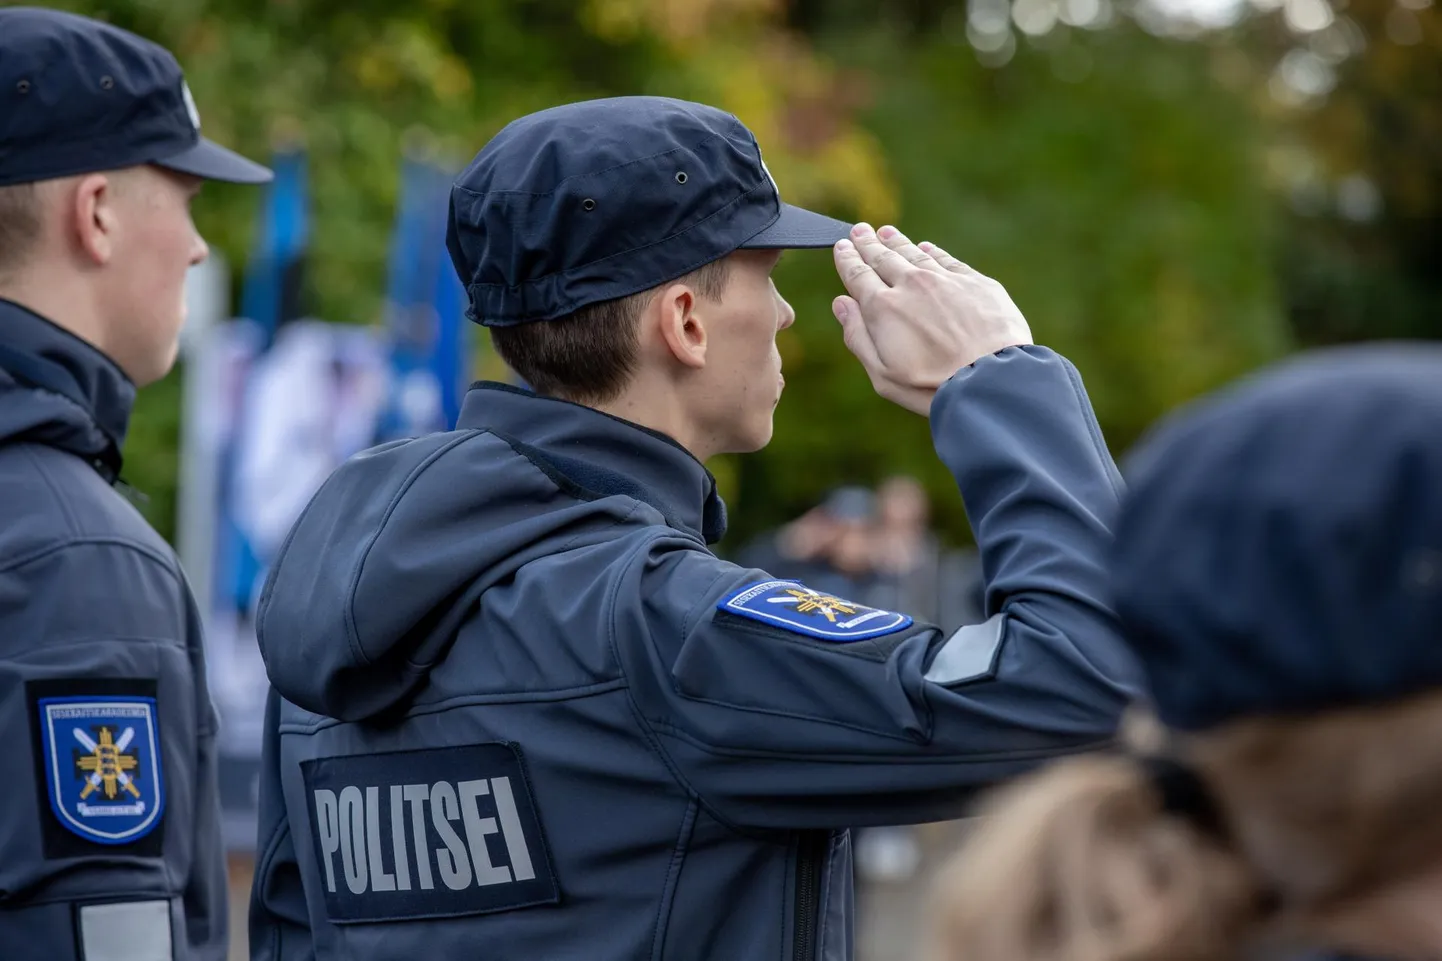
(741, 352)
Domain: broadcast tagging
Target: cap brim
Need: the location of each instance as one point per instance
(211, 161)
(798, 228)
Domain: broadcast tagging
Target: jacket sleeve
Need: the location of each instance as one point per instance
(279, 924)
(97, 616)
(841, 717)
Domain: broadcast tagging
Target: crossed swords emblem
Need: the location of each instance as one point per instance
(808, 601)
(107, 762)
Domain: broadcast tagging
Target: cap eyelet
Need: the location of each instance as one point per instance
(107, 82)
(588, 204)
(23, 86)
(680, 176)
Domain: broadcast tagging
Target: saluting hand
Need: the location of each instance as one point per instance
(917, 315)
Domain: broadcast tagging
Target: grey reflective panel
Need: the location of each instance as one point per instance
(969, 654)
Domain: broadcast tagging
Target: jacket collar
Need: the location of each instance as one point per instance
(58, 390)
(602, 454)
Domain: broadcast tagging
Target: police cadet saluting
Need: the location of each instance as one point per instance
(521, 711)
(109, 829)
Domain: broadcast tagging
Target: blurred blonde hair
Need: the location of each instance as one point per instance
(1079, 861)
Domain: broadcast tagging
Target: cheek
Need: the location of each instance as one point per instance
(151, 277)
(761, 329)
(164, 254)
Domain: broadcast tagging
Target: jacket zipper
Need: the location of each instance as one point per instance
(811, 852)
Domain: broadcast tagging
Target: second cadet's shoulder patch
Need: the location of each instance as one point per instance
(792, 606)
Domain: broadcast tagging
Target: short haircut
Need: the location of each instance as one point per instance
(19, 224)
(589, 356)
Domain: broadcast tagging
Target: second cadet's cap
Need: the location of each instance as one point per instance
(78, 96)
(602, 199)
(1280, 547)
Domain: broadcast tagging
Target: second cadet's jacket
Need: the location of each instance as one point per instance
(522, 711)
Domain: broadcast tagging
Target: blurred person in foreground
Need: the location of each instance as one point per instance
(110, 843)
(522, 710)
(1278, 570)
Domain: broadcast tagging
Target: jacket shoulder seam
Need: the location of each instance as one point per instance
(648, 732)
(461, 701)
(95, 540)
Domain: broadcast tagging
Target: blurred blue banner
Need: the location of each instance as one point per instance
(428, 335)
(269, 297)
(272, 282)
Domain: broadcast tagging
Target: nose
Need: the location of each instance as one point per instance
(199, 250)
(787, 316)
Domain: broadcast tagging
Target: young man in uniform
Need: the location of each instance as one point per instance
(522, 711)
(109, 837)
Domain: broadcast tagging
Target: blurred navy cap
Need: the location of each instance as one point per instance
(602, 199)
(78, 96)
(1280, 548)
(850, 504)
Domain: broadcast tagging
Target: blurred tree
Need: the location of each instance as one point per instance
(1101, 174)
(359, 83)
(1357, 101)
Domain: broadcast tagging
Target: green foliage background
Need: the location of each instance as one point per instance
(1126, 187)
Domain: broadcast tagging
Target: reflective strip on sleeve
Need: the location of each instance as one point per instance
(127, 931)
(969, 654)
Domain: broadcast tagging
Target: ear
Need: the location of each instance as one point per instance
(680, 327)
(93, 218)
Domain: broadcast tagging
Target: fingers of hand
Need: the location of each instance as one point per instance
(860, 280)
(914, 255)
(945, 259)
(890, 266)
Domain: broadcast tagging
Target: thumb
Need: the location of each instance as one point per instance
(855, 334)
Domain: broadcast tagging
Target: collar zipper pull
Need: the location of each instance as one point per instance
(138, 499)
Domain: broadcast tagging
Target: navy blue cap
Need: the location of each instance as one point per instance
(1280, 549)
(77, 96)
(606, 198)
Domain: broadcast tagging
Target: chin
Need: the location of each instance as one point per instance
(154, 368)
(756, 439)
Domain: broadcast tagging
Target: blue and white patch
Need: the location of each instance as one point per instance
(792, 606)
(102, 766)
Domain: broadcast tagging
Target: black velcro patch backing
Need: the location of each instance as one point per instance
(427, 834)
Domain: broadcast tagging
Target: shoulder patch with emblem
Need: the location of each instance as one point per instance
(102, 765)
(792, 606)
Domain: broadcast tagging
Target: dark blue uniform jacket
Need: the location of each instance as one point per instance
(109, 823)
(523, 712)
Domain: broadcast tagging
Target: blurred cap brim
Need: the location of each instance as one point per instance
(211, 161)
(798, 228)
